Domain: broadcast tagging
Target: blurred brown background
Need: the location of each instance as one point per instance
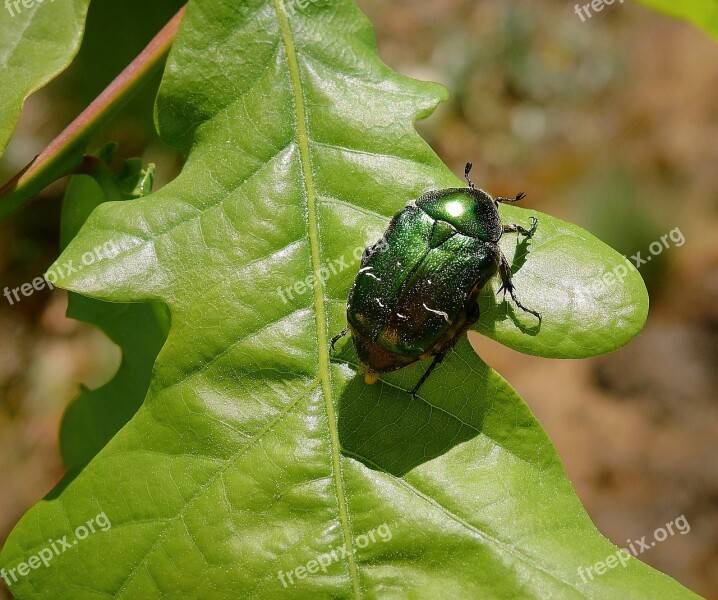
(611, 123)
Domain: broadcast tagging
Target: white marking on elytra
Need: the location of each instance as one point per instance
(438, 312)
(367, 271)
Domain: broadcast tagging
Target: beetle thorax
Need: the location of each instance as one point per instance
(472, 212)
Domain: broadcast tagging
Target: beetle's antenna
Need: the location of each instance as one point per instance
(467, 170)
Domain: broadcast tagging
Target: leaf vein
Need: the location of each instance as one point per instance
(321, 324)
(215, 476)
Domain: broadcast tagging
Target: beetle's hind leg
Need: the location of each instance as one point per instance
(471, 317)
(514, 228)
(434, 363)
(336, 338)
(508, 286)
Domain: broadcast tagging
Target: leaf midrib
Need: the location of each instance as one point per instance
(320, 312)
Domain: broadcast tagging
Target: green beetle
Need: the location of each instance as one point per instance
(417, 288)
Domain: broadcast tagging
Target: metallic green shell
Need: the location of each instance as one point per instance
(471, 211)
(419, 281)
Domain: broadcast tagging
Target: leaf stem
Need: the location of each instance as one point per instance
(64, 155)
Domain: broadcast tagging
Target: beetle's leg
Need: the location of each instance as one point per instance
(472, 316)
(441, 355)
(508, 286)
(337, 337)
(434, 363)
(520, 196)
(514, 228)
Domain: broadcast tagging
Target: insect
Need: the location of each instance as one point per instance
(416, 291)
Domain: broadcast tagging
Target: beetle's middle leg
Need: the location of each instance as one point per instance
(514, 228)
(508, 286)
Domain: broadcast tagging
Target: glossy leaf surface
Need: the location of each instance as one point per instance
(256, 452)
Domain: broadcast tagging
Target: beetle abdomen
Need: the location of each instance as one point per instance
(375, 358)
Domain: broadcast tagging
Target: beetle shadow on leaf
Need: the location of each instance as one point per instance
(388, 430)
(494, 308)
(521, 254)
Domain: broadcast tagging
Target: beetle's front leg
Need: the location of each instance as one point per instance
(336, 338)
(517, 198)
(508, 286)
(514, 228)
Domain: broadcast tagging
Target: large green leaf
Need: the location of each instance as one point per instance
(703, 13)
(36, 43)
(255, 451)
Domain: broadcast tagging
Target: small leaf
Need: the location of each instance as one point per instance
(36, 44)
(703, 13)
(592, 299)
(139, 330)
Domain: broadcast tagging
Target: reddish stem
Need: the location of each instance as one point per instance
(60, 157)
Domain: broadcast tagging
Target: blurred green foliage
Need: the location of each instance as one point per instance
(703, 13)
